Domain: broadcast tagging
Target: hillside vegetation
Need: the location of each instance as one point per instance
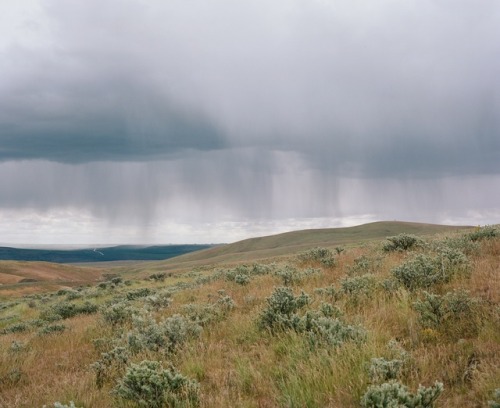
(409, 321)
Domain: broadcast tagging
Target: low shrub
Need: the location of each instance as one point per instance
(330, 292)
(393, 394)
(205, 314)
(65, 310)
(138, 293)
(159, 300)
(486, 232)
(61, 405)
(166, 336)
(363, 265)
(424, 271)
(495, 403)
(454, 314)
(15, 328)
(158, 277)
(358, 285)
(290, 276)
(119, 313)
(323, 256)
(328, 331)
(51, 329)
(280, 310)
(242, 279)
(402, 242)
(110, 363)
(148, 384)
(73, 294)
(320, 327)
(382, 370)
(16, 346)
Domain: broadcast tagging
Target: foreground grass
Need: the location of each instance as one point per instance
(238, 363)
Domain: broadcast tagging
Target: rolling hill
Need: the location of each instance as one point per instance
(287, 243)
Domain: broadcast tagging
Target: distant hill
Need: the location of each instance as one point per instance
(288, 243)
(116, 253)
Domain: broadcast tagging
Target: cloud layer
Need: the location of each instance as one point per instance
(248, 110)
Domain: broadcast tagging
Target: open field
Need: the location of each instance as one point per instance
(269, 322)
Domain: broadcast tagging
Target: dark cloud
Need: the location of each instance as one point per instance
(250, 109)
(386, 89)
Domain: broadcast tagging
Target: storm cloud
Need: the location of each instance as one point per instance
(251, 110)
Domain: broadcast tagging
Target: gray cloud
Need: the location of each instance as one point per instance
(382, 89)
(250, 110)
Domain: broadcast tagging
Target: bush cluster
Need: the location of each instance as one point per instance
(205, 314)
(110, 362)
(454, 314)
(166, 336)
(394, 394)
(358, 286)
(320, 327)
(119, 313)
(15, 328)
(281, 309)
(159, 300)
(323, 256)
(158, 277)
(148, 384)
(139, 293)
(424, 271)
(291, 276)
(495, 403)
(382, 370)
(402, 242)
(51, 329)
(486, 232)
(65, 310)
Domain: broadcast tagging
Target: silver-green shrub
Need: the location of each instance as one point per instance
(159, 300)
(119, 313)
(495, 403)
(382, 370)
(51, 329)
(402, 242)
(58, 404)
(424, 271)
(281, 307)
(166, 336)
(324, 256)
(393, 394)
(486, 232)
(139, 293)
(148, 384)
(15, 328)
(454, 314)
(358, 285)
(109, 363)
(330, 292)
(242, 279)
(65, 310)
(205, 314)
(322, 330)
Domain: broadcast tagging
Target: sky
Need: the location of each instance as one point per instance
(190, 121)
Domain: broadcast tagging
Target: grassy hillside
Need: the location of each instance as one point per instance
(288, 243)
(318, 328)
